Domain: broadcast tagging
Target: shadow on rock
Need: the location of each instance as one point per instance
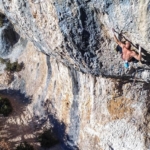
(20, 126)
(14, 125)
(16, 95)
(60, 128)
(8, 36)
(18, 100)
(146, 57)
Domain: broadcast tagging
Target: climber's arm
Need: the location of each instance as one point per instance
(137, 56)
(116, 40)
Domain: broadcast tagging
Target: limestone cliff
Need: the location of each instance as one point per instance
(78, 83)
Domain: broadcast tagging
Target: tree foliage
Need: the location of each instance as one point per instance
(5, 106)
(1, 20)
(48, 139)
(15, 66)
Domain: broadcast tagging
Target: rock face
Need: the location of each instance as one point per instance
(79, 32)
(78, 83)
(8, 37)
(88, 112)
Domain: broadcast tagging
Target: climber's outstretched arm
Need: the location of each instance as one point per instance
(140, 55)
(137, 56)
(116, 39)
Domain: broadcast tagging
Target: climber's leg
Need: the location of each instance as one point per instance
(119, 49)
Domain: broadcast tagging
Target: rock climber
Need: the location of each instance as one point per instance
(127, 53)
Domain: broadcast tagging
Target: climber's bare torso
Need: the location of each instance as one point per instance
(128, 54)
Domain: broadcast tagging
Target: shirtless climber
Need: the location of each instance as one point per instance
(127, 53)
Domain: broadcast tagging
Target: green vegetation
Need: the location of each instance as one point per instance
(15, 66)
(3, 61)
(24, 146)
(1, 19)
(5, 106)
(12, 67)
(48, 139)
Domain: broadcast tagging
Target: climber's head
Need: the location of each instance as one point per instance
(127, 44)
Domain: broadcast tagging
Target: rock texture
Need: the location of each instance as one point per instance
(88, 112)
(79, 32)
(78, 83)
(8, 37)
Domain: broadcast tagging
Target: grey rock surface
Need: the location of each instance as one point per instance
(78, 84)
(86, 112)
(81, 30)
